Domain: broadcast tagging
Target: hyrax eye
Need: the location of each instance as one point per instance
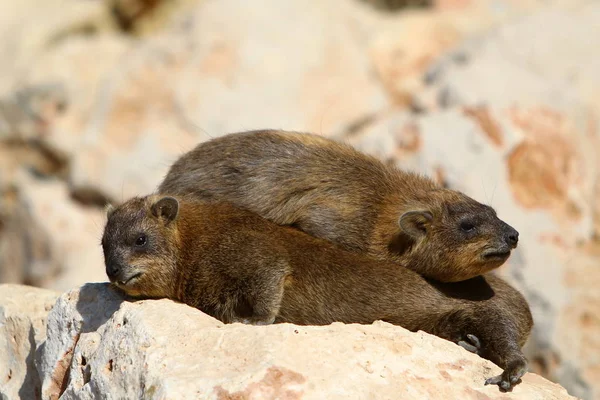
(467, 226)
(141, 240)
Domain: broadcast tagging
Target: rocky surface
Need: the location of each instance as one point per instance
(102, 345)
(23, 313)
(97, 98)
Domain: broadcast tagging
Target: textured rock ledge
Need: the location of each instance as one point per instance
(23, 312)
(102, 346)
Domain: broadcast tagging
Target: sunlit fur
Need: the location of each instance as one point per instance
(236, 266)
(331, 191)
(444, 252)
(157, 263)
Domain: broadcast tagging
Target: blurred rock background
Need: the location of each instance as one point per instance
(497, 98)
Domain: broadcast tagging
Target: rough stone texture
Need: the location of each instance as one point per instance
(401, 61)
(159, 98)
(512, 65)
(29, 27)
(26, 252)
(23, 312)
(76, 232)
(48, 239)
(100, 345)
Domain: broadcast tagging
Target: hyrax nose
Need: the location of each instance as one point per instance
(112, 270)
(512, 237)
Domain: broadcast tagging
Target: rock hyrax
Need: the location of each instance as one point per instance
(331, 191)
(237, 266)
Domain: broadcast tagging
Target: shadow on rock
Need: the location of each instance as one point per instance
(32, 385)
(96, 304)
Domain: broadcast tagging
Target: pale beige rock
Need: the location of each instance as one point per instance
(527, 61)
(406, 47)
(224, 66)
(26, 251)
(102, 345)
(404, 50)
(84, 83)
(58, 245)
(23, 312)
(29, 27)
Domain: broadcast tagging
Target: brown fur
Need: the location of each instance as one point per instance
(334, 192)
(237, 266)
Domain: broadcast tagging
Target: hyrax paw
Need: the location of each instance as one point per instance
(255, 321)
(510, 377)
(267, 321)
(474, 345)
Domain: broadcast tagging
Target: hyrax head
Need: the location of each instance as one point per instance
(140, 246)
(454, 238)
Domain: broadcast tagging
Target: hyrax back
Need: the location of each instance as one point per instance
(334, 192)
(237, 266)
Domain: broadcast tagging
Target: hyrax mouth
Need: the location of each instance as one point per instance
(129, 280)
(497, 255)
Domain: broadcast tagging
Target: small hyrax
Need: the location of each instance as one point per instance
(331, 191)
(237, 266)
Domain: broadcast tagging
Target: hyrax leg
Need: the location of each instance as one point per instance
(494, 335)
(511, 375)
(263, 293)
(470, 343)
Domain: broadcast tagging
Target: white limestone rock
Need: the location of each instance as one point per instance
(103, 346)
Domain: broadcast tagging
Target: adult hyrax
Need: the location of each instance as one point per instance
(237, 266)
(331, 191)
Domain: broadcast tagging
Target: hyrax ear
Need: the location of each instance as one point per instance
(415, 223)
(167, 208)
(109, 209)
